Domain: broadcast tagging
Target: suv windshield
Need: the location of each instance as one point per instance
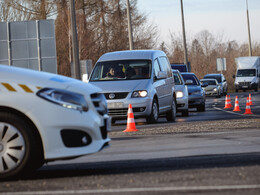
(246, 73)
(209, 82)
(122, 70)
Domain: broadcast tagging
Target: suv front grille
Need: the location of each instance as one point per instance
(99, 102)
(120, 95)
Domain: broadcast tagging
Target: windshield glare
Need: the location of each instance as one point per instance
(122, 70)
(191, 77)
(246, 73)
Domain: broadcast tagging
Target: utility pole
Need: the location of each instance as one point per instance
(248, 27)
(130, 34)
(184, 38)
(75, 49)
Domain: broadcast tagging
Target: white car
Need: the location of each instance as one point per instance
(182, 95)
(46, 117)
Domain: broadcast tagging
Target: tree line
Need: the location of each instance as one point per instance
(102, 27)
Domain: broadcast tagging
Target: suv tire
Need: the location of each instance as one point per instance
(153, 117)
(171, 116)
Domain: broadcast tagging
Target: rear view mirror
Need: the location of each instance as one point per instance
(189, 82)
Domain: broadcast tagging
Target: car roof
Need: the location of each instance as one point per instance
(208, 79)
(131, 54)
(188, 73)
(215, 74)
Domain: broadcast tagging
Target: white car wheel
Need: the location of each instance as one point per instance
(12, 147)
(20, 147)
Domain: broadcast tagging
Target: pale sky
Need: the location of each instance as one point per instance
(219, 17)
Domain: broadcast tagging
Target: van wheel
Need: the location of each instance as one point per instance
(171, 116)
(153, 117)
(20, 153)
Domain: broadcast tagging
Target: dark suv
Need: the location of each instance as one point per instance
(221, 81)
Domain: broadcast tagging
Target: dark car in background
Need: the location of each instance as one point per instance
(180, 67)
(221, 81)
(196, 92)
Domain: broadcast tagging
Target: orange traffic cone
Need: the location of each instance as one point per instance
(228, 102)
(130, 120)
(250, 100)
(236, 109)
(248, 109)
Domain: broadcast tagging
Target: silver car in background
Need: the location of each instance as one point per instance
(142, 78)
(182, 95)
(213, 88)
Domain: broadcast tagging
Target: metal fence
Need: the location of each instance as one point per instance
(29, 44)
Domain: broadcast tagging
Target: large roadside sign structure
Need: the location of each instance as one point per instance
(29, 44)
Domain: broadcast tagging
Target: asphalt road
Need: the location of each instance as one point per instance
(212, 152)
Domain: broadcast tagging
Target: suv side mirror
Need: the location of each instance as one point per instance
(205, 84)
(161, 75)
(85, 78)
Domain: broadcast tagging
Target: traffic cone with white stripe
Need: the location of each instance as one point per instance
(228, 102)
(248, 109)
(130, 120)
(250, 100)
(236, 109)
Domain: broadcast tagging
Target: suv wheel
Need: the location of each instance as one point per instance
(153, 117)
(20, 152)
(171, 116)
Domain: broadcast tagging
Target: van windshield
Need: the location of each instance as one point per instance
(121, 70)
(246, 73)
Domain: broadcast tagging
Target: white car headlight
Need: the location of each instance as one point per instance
(215, 89)
(179, 94)
(64, 98)
(141, 93)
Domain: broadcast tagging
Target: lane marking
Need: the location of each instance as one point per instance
(153, 189)
(231, 112)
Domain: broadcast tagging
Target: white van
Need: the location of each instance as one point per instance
(142, 78)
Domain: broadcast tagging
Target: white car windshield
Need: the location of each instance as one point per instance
(122, 70)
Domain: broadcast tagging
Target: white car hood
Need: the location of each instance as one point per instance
(32, 78)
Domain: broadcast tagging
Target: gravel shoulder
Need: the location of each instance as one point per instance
(194, 127)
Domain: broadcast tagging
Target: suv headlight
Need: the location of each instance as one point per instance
(179, 94)
(64, 98)
(140, 93)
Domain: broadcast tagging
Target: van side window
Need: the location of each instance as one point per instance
(156, 68)
(165, 65)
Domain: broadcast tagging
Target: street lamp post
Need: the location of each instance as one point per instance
(75, 50)
(130, 34)
(184, 38)
(248, 27)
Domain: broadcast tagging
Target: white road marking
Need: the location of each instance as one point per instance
(231, 112)
(125, 190)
